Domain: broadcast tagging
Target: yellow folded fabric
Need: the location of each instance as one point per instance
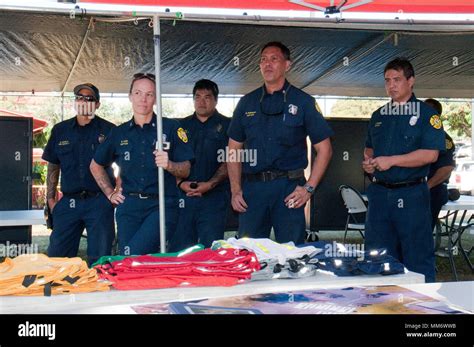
(38, 274)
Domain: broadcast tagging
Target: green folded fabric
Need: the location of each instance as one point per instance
(111, 258)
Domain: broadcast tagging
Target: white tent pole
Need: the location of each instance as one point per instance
(159, 133)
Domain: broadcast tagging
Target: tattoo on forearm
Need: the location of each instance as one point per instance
(103, 181)
(52, 180)
(220, 175)
(180, 170)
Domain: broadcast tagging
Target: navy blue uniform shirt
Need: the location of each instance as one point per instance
(72, 147)
(209, 140)
(392, 133)
(275, 127)
(132, 147)
(445, 158)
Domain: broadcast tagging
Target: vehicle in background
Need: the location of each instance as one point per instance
(464, 152)
(462, 178)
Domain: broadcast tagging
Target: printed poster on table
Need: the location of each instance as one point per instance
(349, 300)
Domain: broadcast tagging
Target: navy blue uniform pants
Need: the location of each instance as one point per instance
(267, 208)
(200, 219)
(138, 224)
(439, 197)
(400, 221)
(71, 216)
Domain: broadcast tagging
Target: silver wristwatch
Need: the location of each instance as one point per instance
(309, 188)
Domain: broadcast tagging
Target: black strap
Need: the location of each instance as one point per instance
(28, 280)
(71, 280)
(180, 183)
(47, 289)
(270, 175)
(81, 195)
(399, 184)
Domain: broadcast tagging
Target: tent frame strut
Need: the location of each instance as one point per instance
(159, 132)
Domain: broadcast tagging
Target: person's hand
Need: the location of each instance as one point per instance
(116, 198)
(186, 186)
(161, 159)
(238, 202)
(368, 164)
(202, 188)
(297, 198)
(51, 203)
(382, 163)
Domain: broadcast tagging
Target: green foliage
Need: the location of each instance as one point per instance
(356, 108)
(40, 140)
(40, 171)
(457, 118)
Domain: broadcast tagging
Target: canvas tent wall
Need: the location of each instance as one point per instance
(41, 51)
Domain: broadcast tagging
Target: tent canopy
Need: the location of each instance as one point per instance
(395, 6)
(52, 52)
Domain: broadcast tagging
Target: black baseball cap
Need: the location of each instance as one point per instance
(88, 86)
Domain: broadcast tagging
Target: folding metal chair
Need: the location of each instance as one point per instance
(356, 206)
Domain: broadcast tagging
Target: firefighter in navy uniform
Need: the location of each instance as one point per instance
(271, 125)
(69, 151)
(205, 194)
(132, 146)
(404, 138)
(440, 171)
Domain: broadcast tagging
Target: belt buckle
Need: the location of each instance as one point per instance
(142, 196)
(267, 176)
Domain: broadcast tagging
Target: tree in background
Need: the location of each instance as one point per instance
(457, 118)
(355, 108)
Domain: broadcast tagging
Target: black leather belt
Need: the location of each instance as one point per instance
(82, 195)
(399, 184)
(271, 175)
(143, 195)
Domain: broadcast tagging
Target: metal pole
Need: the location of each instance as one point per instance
(417, 25)
(62, 106)
(159, 133)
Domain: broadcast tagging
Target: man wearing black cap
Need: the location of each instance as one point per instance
(69, 151)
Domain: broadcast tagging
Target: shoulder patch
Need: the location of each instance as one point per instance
(449, 144)
(316, 106)
(435, 122)
(182, 135)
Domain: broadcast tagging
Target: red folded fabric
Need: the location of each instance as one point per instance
(222, 267)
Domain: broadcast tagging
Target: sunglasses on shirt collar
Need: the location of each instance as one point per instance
(280, 108)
